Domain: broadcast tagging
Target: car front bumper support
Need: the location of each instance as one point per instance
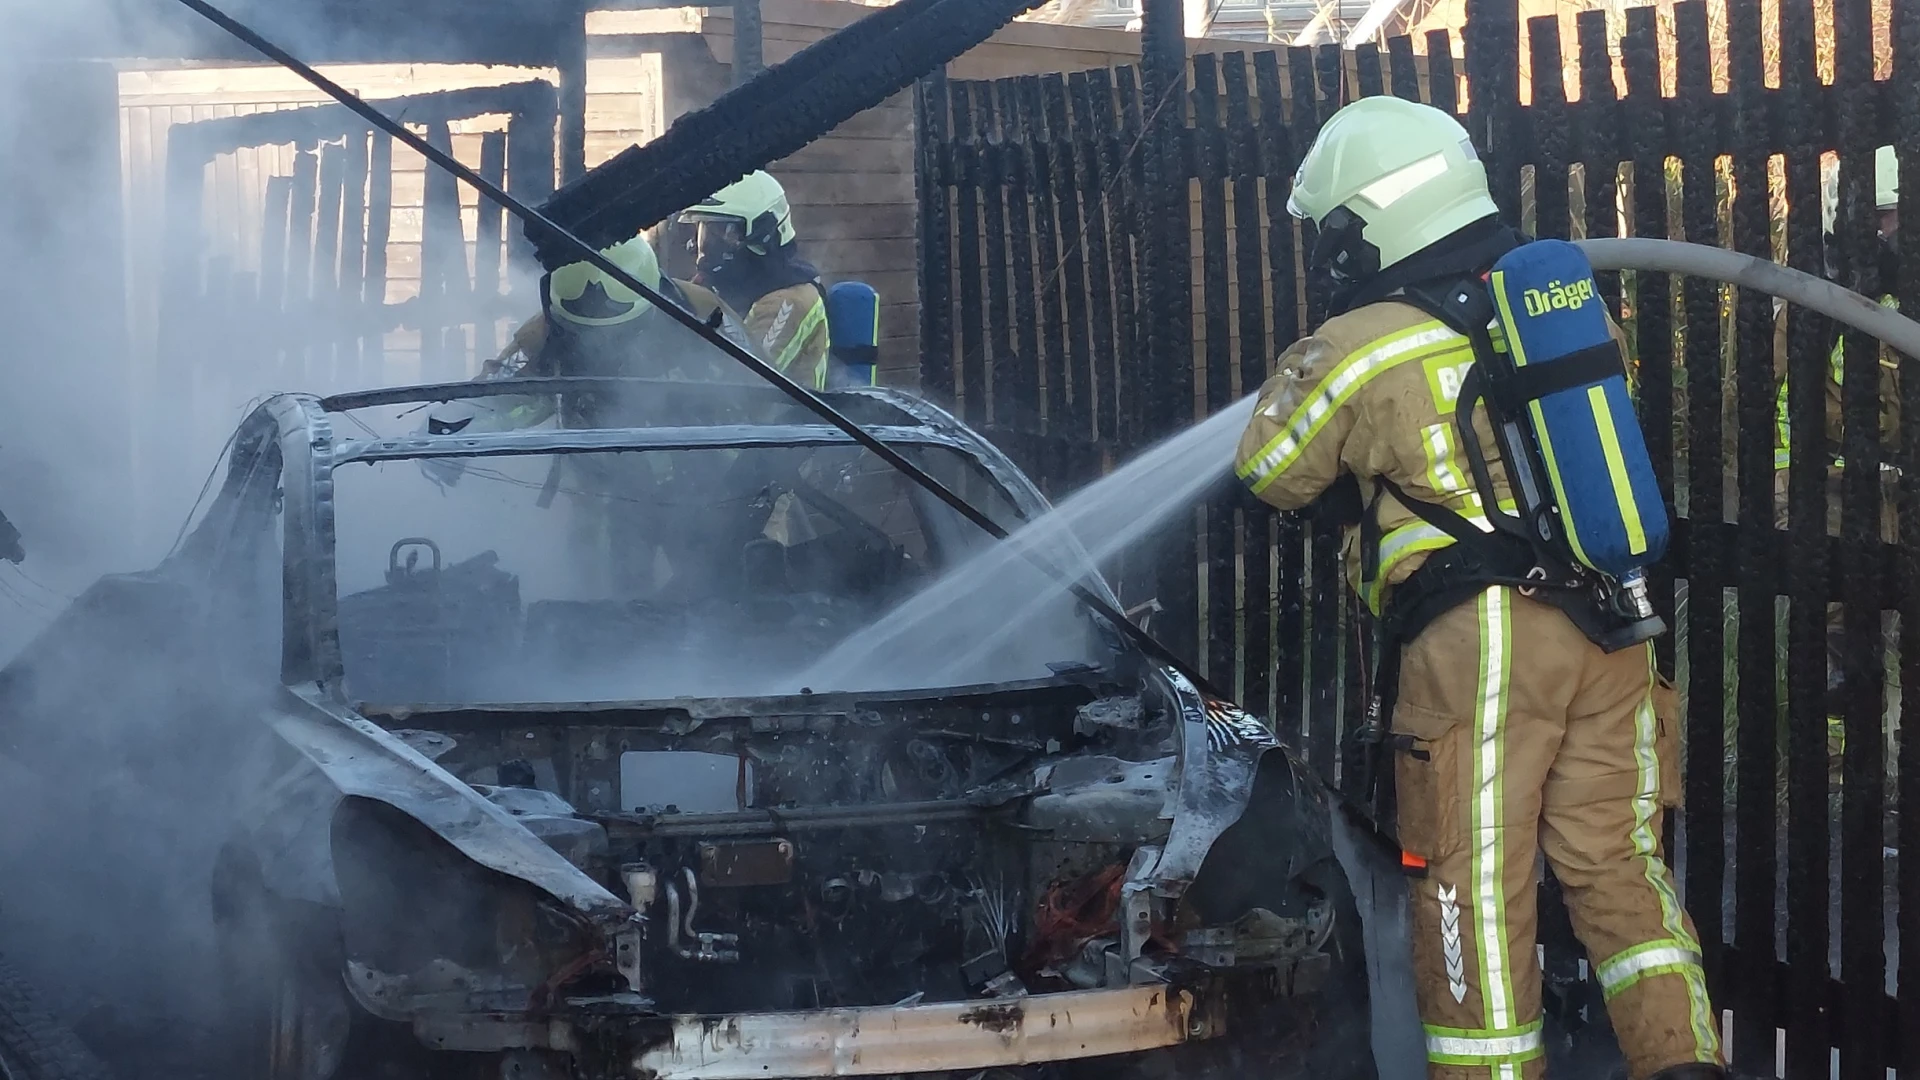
(961, 1035)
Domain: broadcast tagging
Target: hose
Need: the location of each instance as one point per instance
(1748, 272)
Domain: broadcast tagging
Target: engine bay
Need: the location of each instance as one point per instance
(819, 851)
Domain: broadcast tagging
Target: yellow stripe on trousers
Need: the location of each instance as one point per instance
(1646, 807)
(1488, 819)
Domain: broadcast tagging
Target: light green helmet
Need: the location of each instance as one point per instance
(581, 294)
(1386, 178)
(758, 203)
(1886, 179)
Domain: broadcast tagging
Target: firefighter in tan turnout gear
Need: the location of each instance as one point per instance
(1511, 732)
(746, 250)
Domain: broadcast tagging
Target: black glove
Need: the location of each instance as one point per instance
(1339, 506)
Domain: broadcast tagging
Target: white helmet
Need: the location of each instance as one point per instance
(757, 203)
(580, 293)
(1386, 178)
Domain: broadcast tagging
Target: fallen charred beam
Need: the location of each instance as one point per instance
(769, 822)
(767, 118)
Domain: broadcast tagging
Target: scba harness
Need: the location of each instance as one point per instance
(1588, 516)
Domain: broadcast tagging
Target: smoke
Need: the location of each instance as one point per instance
(130, 707)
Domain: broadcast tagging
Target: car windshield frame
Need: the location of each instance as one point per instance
(308, 428)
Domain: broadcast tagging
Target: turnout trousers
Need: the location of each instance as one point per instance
(1527, 739)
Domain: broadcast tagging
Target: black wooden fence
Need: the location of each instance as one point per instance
(315, 311)
(1064, 275)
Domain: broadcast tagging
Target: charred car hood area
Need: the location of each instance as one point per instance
(817, 884)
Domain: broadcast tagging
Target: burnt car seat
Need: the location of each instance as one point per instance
(430, 632)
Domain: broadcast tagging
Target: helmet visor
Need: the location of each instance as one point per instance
(716, 241)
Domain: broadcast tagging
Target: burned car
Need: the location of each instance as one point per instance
(548, 787)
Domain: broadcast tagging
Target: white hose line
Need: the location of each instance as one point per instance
(1748, 272)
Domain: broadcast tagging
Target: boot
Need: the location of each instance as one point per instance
(1693, 1070)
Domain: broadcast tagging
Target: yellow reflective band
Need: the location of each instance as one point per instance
(1617, 470)
(1489, 808)
(1702, 1021)
(1426, 339)
(1783, 432)
(1837, 359)
(1571, 531)
(1460, 1046)
(1630, 966)
(1405, 541)
(811, 321)
(1443, 472)
(1413, 538)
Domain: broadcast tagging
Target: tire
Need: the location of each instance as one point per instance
(35, 1046)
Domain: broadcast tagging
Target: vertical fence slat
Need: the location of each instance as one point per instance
(489, 269)
(1652, 324)
(1320, 621)
(1132, 163)
(379, 231)
(1074, 421)
(1599, 143)
(531, 160)
(1809, 1030)
(971, 376)
(1244, 144)
(1756, 771)
(1366, 62)
(1707, 565)
(1167, 281)
(1443, 85)
(1493, 79)
(1113, 156)
(934, 229)
(326, 263)
(1403, 71)
(353, 260)
(999, 363)
(1303, 125)
(1017, 131)
(1906, 136)
(443, 265)
(1549, 121)
(1289, 541)
(1211, 142)
(1863, 666)
(1092, 121)
(274, 236)
(306, 198)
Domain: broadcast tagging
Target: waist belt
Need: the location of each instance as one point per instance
(1477, 561)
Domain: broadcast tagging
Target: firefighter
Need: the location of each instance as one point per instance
(746, 251)
(589, 325)
(1877, 278)
(1511, 732)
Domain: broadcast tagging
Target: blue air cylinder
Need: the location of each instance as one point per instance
(853, 334)
(1563, 379)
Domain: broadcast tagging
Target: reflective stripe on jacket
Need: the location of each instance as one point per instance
(1372, 394)
(788, 328)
